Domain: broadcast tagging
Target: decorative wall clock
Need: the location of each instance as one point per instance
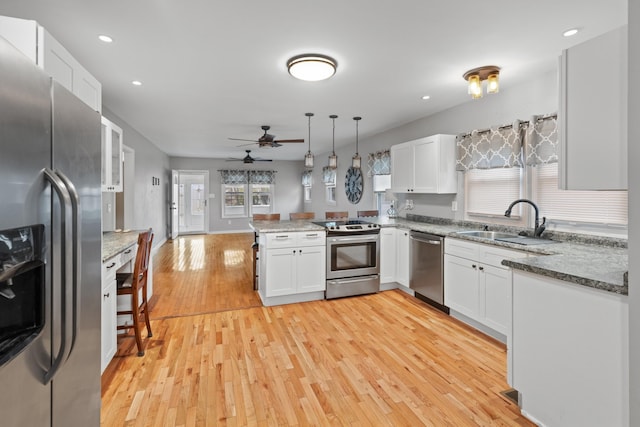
(353, 184)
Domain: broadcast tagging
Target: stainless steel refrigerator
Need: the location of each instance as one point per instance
(50, 250)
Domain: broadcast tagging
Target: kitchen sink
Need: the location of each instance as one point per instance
(492, 235)
(506, 237)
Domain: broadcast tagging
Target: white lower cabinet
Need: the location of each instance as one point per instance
(570, 352)
(292, 267)
(109, 342)
(402, 256)
(478, 286)
(387, 255)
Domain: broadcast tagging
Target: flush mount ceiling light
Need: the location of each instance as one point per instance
(571, 32)
(105, 38)
(475, 77)
(312, 67)
(308, 158)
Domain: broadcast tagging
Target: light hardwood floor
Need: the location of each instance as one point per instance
(219, 358)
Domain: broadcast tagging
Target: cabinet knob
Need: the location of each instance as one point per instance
(107, 295)
(474, 266)
(294, 251)
(481, 268)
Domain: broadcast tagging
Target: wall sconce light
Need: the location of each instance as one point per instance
(475, 77)
(312, 67)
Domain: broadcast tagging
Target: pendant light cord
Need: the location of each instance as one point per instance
(357, 119)
(309, 115)
(333, 149)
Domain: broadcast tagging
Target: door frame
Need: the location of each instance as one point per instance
(205, 175)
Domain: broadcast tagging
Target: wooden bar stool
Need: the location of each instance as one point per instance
(134, 284)
(302, 215)
(336, 215)
(362, 214)
(255, 246)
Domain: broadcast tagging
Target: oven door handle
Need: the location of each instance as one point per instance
(369, 238)
(359, 279)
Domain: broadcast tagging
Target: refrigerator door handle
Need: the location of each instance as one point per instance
(77, 253)
(66, 296)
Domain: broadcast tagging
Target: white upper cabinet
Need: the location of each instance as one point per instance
(112, 157)
(425, 165)
(593, 114)
(40, 46)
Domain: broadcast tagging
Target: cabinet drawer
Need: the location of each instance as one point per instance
(281, 240)
(311, 238)
(493, 255)
(128, 254)
(109, 268)
(461, 248)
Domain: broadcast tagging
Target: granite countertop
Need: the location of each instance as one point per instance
(284, 226)
(592, 261)
(114, 242)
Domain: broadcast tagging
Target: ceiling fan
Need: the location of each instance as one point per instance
(248, 158)
(267, 140)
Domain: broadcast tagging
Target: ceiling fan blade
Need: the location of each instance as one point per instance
(262, 160)
(251, 143)
(241, 139)
(288, 140)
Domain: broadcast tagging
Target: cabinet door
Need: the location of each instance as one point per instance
(495, 306)
(310, 269)
(402, 168)
(116, 157)
(593, 117)
(461, 290)
(108, 329)
(280, 272)
(426, 159)
(387, 255)
(402, 259)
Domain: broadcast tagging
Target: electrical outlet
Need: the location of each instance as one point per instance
(229, 222)
(454, 205)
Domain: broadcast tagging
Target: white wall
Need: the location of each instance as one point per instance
(634, 214)
(539, 96)
(288, 194)
(151, 207)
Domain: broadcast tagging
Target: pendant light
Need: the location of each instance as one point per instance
(356, 161)
(333, 159)
(308, 158)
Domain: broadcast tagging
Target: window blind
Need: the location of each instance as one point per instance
(601, 207)
(489, 192)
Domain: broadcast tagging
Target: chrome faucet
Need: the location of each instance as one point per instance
(539, 228)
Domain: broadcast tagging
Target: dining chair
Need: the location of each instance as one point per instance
(337, 215)
(302, 215)
(135, 285)
(362, 214)
(266, 217)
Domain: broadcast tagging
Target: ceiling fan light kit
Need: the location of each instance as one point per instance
(356, 161)
(308, 158)
(475, 77)
(312, 67)
(333, 159)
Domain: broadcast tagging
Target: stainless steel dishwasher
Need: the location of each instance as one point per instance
(427, 260)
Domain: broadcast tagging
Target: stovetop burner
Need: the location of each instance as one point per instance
(349, 226)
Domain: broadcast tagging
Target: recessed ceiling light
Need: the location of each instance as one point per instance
(426, 97)
(571, 32)
(312, 67)
(105, 38)
(136, 83)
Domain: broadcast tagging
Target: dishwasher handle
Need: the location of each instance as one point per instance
(429, 241)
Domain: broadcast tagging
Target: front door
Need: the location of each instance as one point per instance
(174, 204)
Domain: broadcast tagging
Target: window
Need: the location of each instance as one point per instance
(329, 179)
(261, 198)
(307, 183)
(488, 193)
(330, 192)
(568, 208)
(247, 193)
(234, 200)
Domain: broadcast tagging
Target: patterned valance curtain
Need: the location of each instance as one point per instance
(262, 177)
(379, 163)
(234, 177)
(328, 176)
(498, 147)
(541, 140)
(307, 179)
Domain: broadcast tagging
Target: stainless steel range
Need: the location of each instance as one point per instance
(353, 258)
